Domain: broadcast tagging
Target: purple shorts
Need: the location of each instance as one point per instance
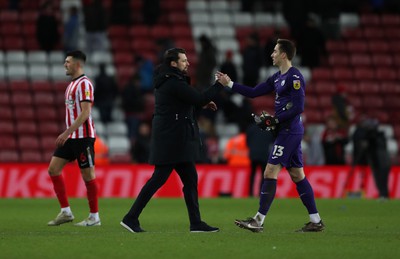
(287, 151)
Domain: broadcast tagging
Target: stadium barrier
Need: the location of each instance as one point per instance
(32, 181)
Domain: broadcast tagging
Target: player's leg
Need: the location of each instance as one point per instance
(158, 179)
(188, 174)
(306, 193)
(55, 171)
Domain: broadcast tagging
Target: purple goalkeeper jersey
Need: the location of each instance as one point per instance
(289, 98)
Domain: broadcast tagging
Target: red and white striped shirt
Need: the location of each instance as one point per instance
(80, 89)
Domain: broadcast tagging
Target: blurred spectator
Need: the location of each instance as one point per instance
(259, 143)
(247, 5)
(236, 151)
(207, 62)
(141, 144)
(269, 47)
(106, 90)
(228, 67)
(71, 30)
(311, 44)
(145, 68)
(95, 25)
(121, 12)
(133, 104)
(343, 111)
(151, 11)
(370, 148)
(101, 151)
(252, 60)
(47, 27)
(334, 140)
(162, 45)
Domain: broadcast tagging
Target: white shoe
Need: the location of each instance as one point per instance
(62, 217)
(89, 222)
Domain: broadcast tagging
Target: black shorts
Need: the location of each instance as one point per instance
(80, 149)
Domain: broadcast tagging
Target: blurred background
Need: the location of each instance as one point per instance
(348, 52)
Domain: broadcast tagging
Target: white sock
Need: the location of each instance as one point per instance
(94, 215)
(315, 218)
(259, 218)
(66, 210)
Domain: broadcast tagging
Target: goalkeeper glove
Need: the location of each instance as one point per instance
(265, 121)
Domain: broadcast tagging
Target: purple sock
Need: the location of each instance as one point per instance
(267, 195)
(306, 194)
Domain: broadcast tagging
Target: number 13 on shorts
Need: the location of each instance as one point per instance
(278, 151)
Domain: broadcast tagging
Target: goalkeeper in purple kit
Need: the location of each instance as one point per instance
(289, 87)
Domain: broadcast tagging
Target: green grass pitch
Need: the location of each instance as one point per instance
(356, 228)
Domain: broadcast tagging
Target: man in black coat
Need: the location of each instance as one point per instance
(175, 142)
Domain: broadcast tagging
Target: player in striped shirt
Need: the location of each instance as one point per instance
(76, 142)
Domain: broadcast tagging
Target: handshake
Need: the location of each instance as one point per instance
(265, 121)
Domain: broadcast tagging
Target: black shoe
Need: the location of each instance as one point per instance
(312, 227)
(134, 228)
(202, 227)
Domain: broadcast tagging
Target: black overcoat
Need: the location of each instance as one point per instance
(175, 133)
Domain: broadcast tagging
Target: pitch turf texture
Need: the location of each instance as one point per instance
(356, 228)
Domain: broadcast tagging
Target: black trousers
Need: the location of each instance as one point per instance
(253, 170)
(188, 175)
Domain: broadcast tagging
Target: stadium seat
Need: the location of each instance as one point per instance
(378, 47)
(174, 6)
(17, 72)
(37, 57)
(221, 18)
(360, 60)
(368, 20)
(15, 57)
(160, 32)
(118, 145)
(116, 129)
(6, 127)
(31, 157)
(197, 6)
(49, 128)
(369, 87)
(373, 33)
(11, 156)
(5, 99)
(8, 142)
(38, 72)
(338, 59)
(48, 143)
(321, 73)
(178, 18)
(324, 87)
(44, 99)
(41, 86)
(123, 58)
(20, 86)
(121, 158)
(386, 74)
(357, 46)
(372, 102)
(24, 113)
(336, 46)
(181, 32)
(388, 20)
(355, 101)
(47, 114)
(13, 43)
(242, 20)
(382, 60)
(21, 99)
(313, 116)
(343, 74)
(56, 58)
(117, 31)
(26, 128)
(199, 18)
(364, 73)
(390, 87)
(353, 34)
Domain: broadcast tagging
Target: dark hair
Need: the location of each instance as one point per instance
(77, 54)
(287, 47)
(172, 55)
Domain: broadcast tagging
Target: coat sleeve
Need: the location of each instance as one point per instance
(188, 94)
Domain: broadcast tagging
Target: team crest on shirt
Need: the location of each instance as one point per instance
(296, 84)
